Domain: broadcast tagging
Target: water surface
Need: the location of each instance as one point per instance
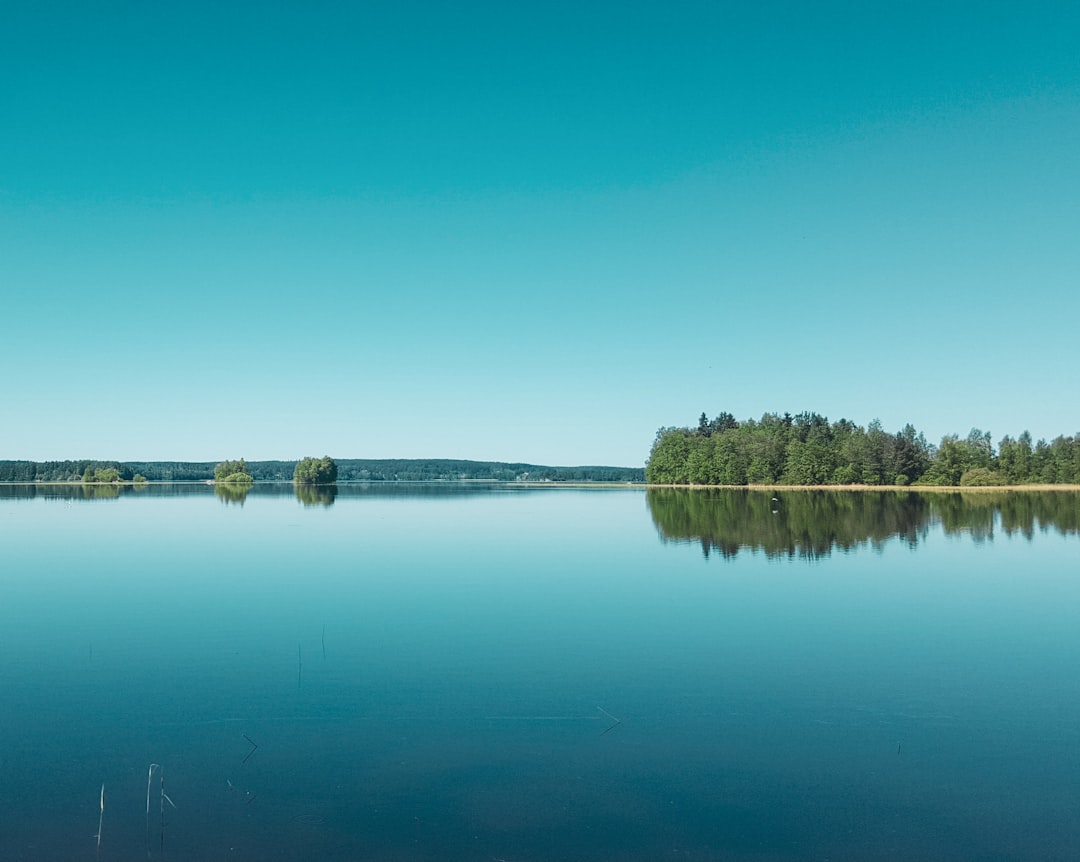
(477, 673)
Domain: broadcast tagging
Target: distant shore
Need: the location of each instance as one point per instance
(557, 483)
(348, 470)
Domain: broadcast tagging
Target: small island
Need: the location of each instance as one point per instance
(233, 473)
(316, 471)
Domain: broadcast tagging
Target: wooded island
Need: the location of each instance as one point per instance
(807, 449)
(233, 473)
(316, 471)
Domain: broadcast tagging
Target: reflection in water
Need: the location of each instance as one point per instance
(342, 490)
(425, 671)
(68, 491)
(232, 493)
(811, 524)
(100, 492)
(316, 495)
(806, 524)
(1022, 513)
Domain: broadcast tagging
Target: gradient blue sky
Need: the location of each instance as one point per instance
(531, 232)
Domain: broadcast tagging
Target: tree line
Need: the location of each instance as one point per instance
(450, 470)
(348, 470)
(807, 449)
(66, 471)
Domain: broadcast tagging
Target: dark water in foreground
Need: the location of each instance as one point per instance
(443, 673)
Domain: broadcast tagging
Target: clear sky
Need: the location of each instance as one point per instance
(530, 232)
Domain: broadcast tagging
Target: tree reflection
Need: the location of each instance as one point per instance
(316, 495)
(232, 493)
(811, 524)
(100, 492)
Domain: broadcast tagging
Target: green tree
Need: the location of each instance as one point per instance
(729, 457)
(1016, 459)
(667, 464)
(877, 445)
(699, 465)
(767, 449)
(949, 463)
(980, 452)
(724, 422)
(908, 457)
(316, 471)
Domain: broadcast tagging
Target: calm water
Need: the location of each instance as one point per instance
(445, 673)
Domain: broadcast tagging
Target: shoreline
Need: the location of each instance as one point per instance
(860, 488)
(558, 484)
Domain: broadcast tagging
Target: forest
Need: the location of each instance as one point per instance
(807, 449)
(348, 470)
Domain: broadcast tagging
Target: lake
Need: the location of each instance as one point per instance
(459, 672)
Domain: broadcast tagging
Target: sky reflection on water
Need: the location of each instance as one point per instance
(427, 676)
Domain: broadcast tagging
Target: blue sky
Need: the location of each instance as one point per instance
(536, 233)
